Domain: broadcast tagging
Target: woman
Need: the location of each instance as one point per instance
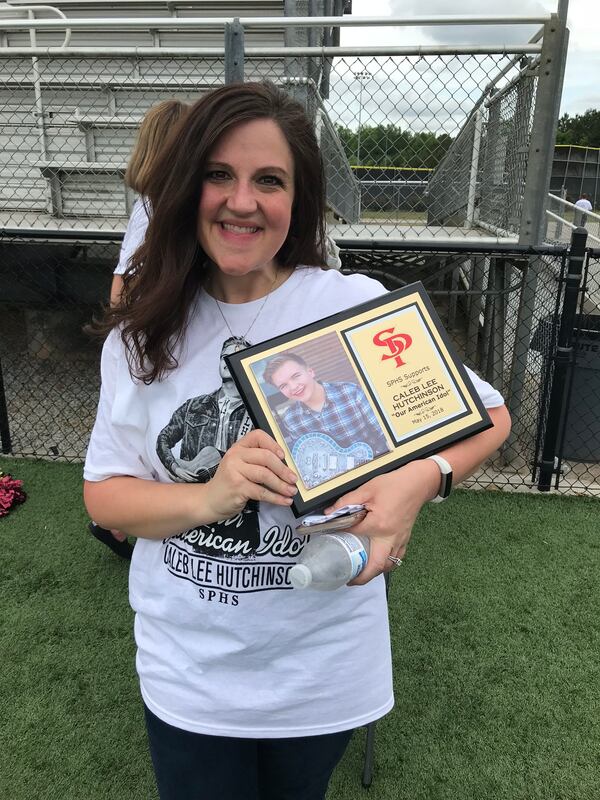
(250, 690)
(152, 134)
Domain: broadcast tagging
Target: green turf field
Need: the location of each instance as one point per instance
(496, 636)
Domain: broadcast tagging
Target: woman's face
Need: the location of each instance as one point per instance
(247, 195)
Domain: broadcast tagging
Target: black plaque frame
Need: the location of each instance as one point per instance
(414, 373)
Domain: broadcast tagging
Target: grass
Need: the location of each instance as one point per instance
(495, 621)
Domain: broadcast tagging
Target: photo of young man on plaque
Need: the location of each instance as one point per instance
(324, 416)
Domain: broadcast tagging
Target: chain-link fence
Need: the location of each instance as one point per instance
(49, 289)
(418, 141)
(445, 142)
(480, 182)
(434, 141)
(410, 153)
(568, 343)
(50, 367)
(480, 293)
(68, 129)
(67, 132)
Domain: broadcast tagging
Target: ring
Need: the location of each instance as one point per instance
(397, 561)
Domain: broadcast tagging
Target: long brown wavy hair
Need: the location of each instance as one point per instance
(166, 272)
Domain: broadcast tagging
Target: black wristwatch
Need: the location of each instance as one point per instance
(446, 478)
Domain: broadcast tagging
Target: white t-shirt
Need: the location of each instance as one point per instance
(134, 233)
(584, 204)
(225, 646)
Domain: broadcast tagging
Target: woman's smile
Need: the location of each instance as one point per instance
(229, 227)
(247, 197)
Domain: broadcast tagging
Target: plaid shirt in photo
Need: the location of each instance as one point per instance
(346, 416)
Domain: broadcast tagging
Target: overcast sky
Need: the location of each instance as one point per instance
(582, 79)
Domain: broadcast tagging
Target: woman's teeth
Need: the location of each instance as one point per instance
(238, 228)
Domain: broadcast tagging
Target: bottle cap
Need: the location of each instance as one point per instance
(300, 576)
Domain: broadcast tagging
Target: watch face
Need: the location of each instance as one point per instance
(446, 485)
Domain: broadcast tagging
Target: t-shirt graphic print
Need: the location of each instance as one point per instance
(205, 427)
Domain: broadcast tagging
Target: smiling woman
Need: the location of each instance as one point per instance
(235, 667)
(245, 209)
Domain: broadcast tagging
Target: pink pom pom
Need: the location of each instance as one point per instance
(11, 493)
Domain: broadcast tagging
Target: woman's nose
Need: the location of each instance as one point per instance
(241, 198)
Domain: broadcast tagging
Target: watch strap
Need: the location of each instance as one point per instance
(446, 478)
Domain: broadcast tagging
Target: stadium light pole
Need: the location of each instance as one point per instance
(362, 77)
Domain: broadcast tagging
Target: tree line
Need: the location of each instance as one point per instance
(390, 146)
(582, 129)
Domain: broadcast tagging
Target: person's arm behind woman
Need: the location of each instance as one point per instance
(132, 239)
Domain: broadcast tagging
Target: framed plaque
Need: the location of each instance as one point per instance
(359, 393)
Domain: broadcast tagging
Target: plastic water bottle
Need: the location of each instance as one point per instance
(330, 560)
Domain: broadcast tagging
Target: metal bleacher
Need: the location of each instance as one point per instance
(71, 98)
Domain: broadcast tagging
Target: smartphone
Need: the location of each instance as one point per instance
(341, 519)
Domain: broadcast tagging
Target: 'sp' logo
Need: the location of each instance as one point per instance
(396, 343)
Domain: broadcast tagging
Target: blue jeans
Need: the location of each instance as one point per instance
(192, 766)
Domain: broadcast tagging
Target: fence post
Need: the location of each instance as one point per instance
(563, 361)
(493, 172)
(498, 275)
(4, 428)
(537, 184)
(478, 271)
(543, 133)
(517, 153)
(474, 168)
(234, 52)
(559, 224)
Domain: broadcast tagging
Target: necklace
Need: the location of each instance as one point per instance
(258, 313)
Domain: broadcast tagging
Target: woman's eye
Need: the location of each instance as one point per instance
(271, 180)
(217, 175)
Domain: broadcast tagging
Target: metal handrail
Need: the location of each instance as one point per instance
(572, 205)
(133, 23)
(276, 52)
(566, 222)
(31, 9)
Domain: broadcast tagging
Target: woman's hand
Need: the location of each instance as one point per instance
(252, 469)
(393, 502)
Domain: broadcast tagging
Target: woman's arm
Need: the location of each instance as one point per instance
(252, 469)
(466, 456)
(146, 508)
(395, 499)
(115, 290)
